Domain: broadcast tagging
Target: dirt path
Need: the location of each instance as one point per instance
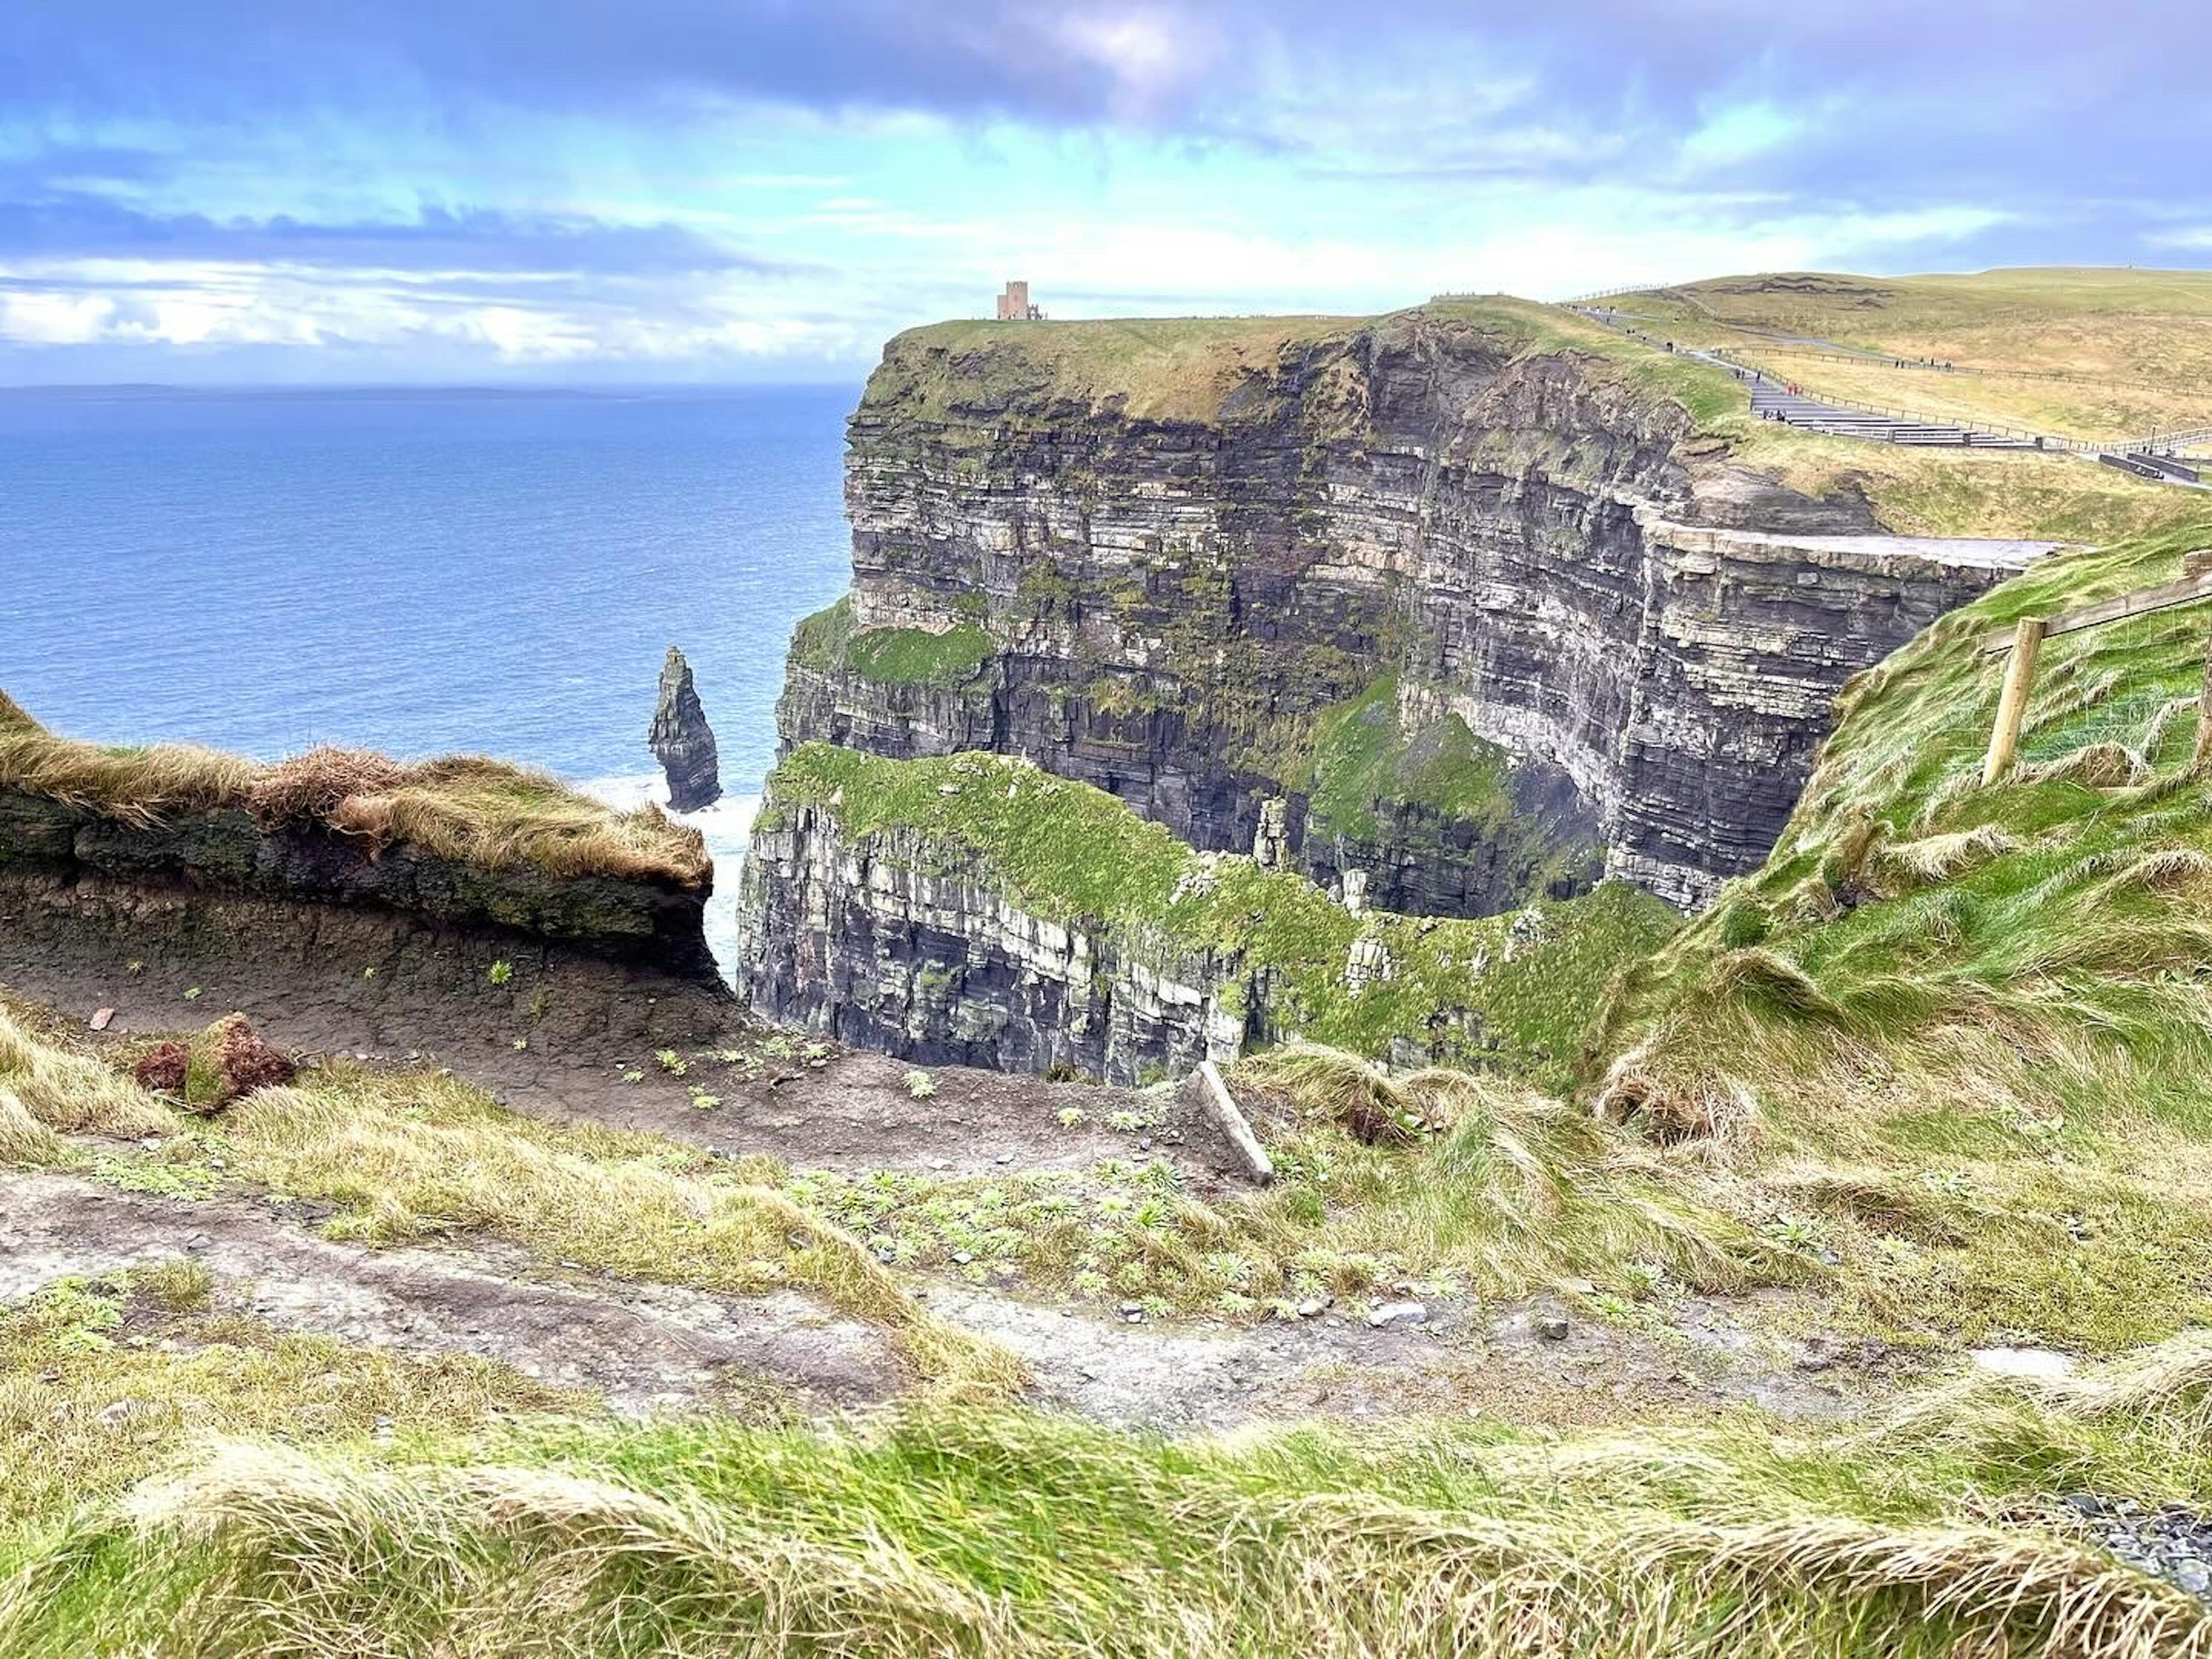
(1463, 1358)
(648, 1347)
(855, 1111)
(643, 1346)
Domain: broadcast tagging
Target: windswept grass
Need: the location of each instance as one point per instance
(1992, 998)
(990, 1534)
(47, 1088)
(105, 1381)
(473, 811)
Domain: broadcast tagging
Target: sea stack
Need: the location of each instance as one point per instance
(682, 740)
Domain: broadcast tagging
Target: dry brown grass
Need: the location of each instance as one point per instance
(474, 811)
(68, 1093)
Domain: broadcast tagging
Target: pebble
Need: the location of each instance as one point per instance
(1398, 1313)
(1312, 1308)
(1552, 1328)
(2173, 1542)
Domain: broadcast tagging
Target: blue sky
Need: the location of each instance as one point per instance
(592, 190)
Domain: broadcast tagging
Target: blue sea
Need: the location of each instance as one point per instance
(420, 572)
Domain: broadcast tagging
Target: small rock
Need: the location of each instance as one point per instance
(2040, 1363)
(2082, 1503)
(1552, 1327)
(98, 1021)
(199, 1242)
(2194, 1576)
(1398, 1313)
(963, 1257)
(1312, 1308)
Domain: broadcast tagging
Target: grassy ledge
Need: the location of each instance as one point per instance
(473, 811)
(1069, 853)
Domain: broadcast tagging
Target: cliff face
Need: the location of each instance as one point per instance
(682, 741)
(975, 909)
(896, 946)
(1417, 604)
(303, 926)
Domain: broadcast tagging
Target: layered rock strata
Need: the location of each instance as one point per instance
(1526, 539)
(975, 909)
(903, 947)
(682, 741)
(305, 924)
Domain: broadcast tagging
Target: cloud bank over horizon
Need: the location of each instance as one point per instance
(717, 189)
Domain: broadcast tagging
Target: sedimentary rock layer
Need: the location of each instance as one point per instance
(976, 910)
(1167, 599)
(305, 920)
(682, 741)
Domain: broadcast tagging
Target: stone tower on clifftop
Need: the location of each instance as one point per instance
(682, 740)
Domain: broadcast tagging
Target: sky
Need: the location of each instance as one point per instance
(352, 191)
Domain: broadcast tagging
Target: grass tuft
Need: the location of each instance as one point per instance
(473, 811)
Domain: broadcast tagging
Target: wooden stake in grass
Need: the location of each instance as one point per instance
(2012, 702)
(2200, 756)
(1234, 1125)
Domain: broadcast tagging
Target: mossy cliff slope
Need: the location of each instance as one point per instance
(976, 909)
(1177, 561)
(1989, 1008)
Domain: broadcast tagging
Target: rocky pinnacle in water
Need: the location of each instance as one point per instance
(682, 740)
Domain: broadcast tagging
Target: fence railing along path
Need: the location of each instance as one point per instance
(2025, 642)
(1903, 424)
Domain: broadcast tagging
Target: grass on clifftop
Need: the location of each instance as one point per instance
(1069, 853)
(2091, 353)
(1012, 1535)
(466, 808)
(1218, 370)
(2010, 984)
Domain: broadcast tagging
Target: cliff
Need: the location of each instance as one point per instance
(977, 910)
(342, 876)
(682, 741)
(1450, 608)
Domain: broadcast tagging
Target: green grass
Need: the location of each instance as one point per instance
(1016, 1535)
(1069, 853)
(827, 643)
(1991, 1002)
(915, 656)
(1364, 758)
(1494, 1192)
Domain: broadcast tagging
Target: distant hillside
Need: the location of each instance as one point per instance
(2081, 352)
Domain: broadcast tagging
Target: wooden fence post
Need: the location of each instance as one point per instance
(2012, 702)
(2201, 757)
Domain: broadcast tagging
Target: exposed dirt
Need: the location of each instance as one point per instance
(646, 1346)
(852, 1111)
(1464, 1358)
(643, 1346)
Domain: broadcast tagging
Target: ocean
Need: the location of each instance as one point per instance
(420, 572)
